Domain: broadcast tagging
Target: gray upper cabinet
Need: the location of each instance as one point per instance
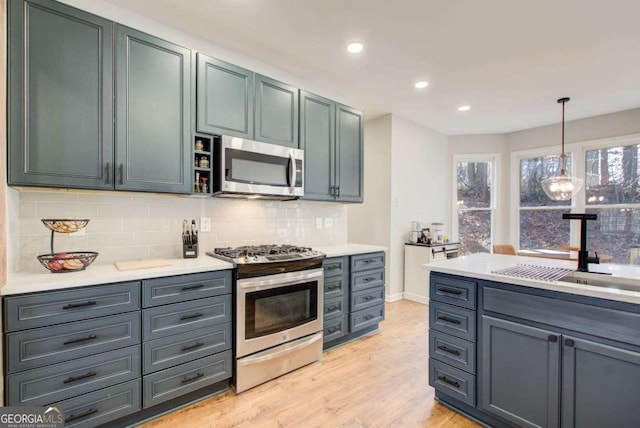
(520, 373)
(60, 96)
(349, 159)
(276, 109)
(153, 104)
(599, 385)
(225, 98)
(317, 139)
(332, 137)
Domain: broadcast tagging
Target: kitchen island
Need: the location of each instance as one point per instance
(512, 351)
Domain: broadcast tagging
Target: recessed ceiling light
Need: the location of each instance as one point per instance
(355, 48)
(421, 84)
(464, 108)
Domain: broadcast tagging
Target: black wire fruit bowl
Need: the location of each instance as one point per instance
(67, 262)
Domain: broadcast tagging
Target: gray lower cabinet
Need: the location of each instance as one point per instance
(153, 120)
(520, 368)
(225, 98)
(276, 112)
(332, 137)
(336, 298)
(60, 96)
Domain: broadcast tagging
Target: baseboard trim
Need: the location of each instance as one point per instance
(393, 297)
(416, 298)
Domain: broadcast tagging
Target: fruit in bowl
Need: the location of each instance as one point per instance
(67, 262)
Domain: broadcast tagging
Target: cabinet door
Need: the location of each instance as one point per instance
(225, 96)
(349, 154)
(600, 385)
(153, 113)
(276, 112)
(317, 139)
(60, 96)
(520, 373)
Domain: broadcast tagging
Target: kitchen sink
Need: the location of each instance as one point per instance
(602, 280)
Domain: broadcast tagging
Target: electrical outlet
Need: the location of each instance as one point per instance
(319, 222)
(205, 224)
(328, 222)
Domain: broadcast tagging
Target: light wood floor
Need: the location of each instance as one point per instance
(378, 381)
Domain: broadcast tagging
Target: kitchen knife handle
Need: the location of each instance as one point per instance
(121, 168)
(106, 173)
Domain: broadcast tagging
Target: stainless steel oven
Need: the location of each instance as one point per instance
(251, 169)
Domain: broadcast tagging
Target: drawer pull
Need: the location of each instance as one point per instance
(333, 267)
(450, 382)
(450, 291)
(333, 308)
(450, 320)
(366, 262)
(91, 411)
(367, 298)
(190, 317)
(369, 278)
(76, 378)
(333, 329)
(192, 378)
(79, 305)
(369, 317)
(192, 287)
(194, 346)
(82, 339)
(333, 287)
(448, 350)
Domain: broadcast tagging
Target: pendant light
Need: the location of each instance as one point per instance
(562, 187)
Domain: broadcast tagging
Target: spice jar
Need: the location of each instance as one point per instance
(204, 162)
(198, 146)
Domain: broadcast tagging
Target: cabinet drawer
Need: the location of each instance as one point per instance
(170, 383)
(367, 298)
(590, 319)
(334, 329)
(168, 320)
(366, 318)
(335, 266)
(43, 346)
(452, 381)
(40, 387)
(333, 308)
(55, 307)
(453, 320)
(100, 407)
(367, 261)
(455, 291)
(334, 287)
(170, 351)
(367, 279)
(454, 351)
(174, 289)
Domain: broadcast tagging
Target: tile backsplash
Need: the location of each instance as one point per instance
(126, 226)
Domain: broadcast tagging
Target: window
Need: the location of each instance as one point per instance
(540, 222)
(475, 196)
(612, 191)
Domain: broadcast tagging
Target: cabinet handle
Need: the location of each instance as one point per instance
(367, 298)
(450, 382)
(333, 287)
(450, 320)
(332, 191)
(106, 172)
(91, 411)
(332, 308)
(369, 317)
(121, 168)
(367, 261)
(79, 305)
(333, 267)
(192, 378)
(333, 329)
(450, 291)
(82, 339)
(569, 342)
(448, 350)
(76, 378)
(192, 287)
(369, 278)
(194, 346)
(552, 338)
(338, 192)
(189, 317)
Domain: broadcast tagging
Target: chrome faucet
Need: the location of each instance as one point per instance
(583, 255)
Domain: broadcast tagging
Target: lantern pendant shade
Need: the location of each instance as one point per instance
(562, 187)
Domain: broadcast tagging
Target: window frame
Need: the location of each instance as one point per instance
(494, 159)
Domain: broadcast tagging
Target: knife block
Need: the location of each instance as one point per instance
(190, 251)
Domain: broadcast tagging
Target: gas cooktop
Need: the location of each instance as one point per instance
(264, 253)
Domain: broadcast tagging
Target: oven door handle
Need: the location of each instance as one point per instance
(279, 280)
(270, 355)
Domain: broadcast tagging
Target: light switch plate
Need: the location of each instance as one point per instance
(205, 224)
(328, 222)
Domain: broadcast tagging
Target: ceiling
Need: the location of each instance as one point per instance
(508, 59)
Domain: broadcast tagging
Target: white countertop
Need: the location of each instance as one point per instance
(349, 249)
(480, 266)
(103, 274)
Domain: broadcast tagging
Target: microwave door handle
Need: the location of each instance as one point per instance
(292, 170)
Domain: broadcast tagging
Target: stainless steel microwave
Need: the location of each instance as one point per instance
(251, 169)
